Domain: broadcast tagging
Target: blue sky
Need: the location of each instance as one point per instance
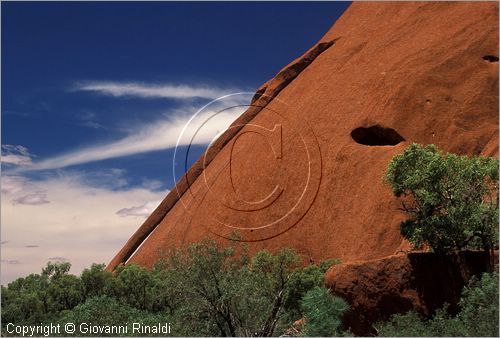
(95, 95)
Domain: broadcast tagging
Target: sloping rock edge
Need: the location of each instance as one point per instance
(264, 95)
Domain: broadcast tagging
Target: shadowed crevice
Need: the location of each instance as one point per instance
(490, 58)
(376, 136)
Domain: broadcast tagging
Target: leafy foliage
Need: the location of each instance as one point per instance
(35, 298)
(96, 281)
(451, 200)
(303, 280)
(323, 312)
(479, 307)
(221, 292)
(203, 290)
(478, 315)
(107, 311)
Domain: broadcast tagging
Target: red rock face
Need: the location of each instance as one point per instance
(376, 289)
(303, 166)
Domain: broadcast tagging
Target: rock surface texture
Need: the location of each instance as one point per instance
(303, 166)
(378, 288)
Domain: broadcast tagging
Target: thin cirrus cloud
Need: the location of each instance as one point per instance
(35, 198)
(14, 184)
(143, 210)
(151, 91)
(16, 155)
(164, 134)
(89, 120)
(178, 128)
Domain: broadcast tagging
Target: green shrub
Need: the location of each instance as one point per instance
(96, 281)
(105, 311)
(303, 280)
(479, 307)
(451, 201)
(203, 290)
(478, 315)
(323, 313)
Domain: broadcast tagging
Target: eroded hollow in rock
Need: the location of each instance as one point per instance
(490, 58)
(376, 136)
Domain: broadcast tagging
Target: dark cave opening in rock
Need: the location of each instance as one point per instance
(490, 58)
(376, 136)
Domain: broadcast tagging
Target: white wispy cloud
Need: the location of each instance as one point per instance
(145, 90)
(152, 184)
(14, 184)
(197, 129)
(89, 119)
(143, 210)
(197, 126)
(79, 216)
(18, 160)
(16, 155)
(35, 198)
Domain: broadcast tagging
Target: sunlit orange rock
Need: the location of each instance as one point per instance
(303, 166)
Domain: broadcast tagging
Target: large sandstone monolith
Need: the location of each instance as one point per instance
(303, 166)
